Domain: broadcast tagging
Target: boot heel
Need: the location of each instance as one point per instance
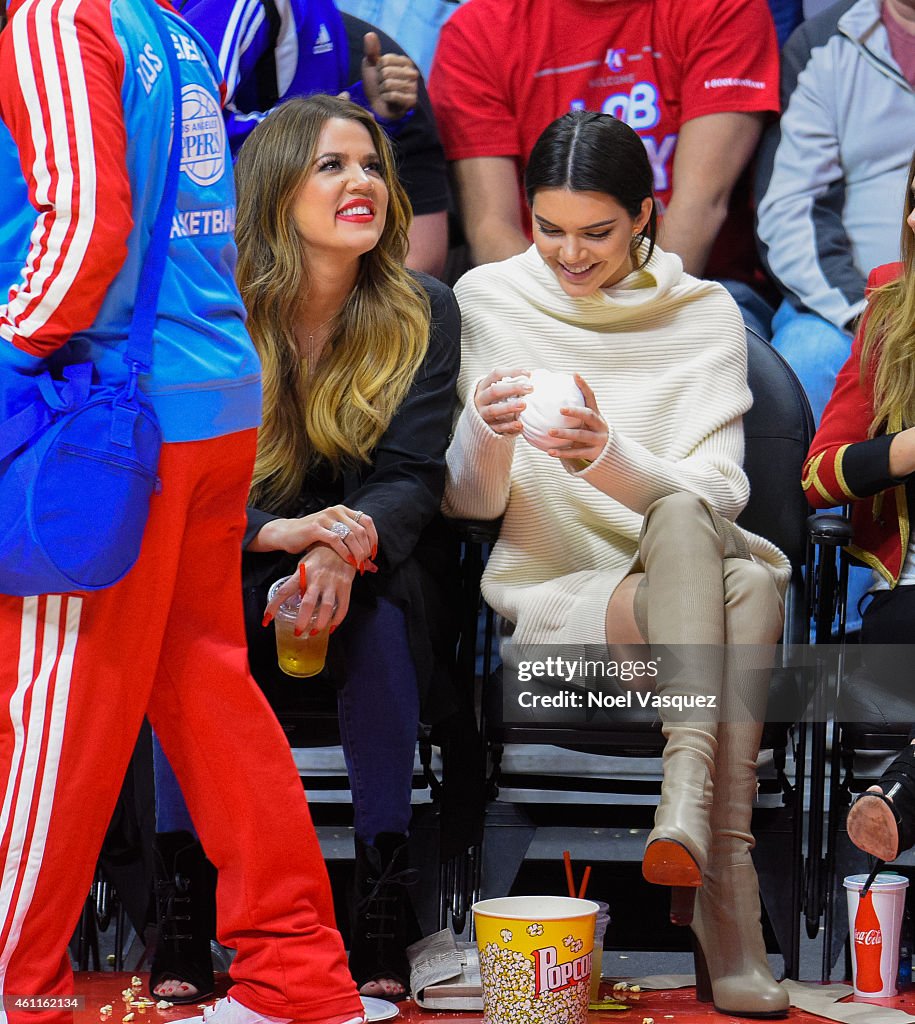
(703, 980)
(669, 862)
(682, 905)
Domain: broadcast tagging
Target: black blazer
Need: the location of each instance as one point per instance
(401, 489)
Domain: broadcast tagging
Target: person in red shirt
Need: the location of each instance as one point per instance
(696, 81)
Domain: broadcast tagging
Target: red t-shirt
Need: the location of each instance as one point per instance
(504, 69)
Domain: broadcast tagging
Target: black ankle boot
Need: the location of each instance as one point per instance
(186, 912)
(382, 922)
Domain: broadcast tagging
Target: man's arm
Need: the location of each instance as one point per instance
(429, 243)
(488, 198)
(712, 152)
(73, 158)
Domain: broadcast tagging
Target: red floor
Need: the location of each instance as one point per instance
(99, 988)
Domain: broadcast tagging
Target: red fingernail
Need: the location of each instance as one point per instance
(268, 618)
(374, 551)
(303, 577)
(314, 632)
(297, 631)
(352, 561)
(332, 628)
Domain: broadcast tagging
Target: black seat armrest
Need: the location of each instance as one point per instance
(830, 528)
(476, 531)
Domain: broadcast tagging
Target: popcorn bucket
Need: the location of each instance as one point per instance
(535, 958)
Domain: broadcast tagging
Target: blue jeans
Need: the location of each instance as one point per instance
(816, 350)
(414, 24)
(378, 707)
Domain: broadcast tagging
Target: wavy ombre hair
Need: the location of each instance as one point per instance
(340, 409)
(888, 344)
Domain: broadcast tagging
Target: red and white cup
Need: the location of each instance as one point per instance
(874, 922)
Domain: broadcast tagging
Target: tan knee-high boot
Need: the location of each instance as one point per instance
(732, 968)
(681, 602)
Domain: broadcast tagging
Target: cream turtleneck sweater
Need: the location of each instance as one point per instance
(665, 354)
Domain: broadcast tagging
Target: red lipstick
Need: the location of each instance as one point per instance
(348, 212)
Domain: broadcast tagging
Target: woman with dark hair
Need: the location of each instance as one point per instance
(359, 359)
(620, 528)
(864, 453)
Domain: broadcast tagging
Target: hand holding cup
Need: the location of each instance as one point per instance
(584, 441)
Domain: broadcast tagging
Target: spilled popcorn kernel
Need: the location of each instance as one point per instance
(105, 1011)
(635, 988)
(128, 1017)
(621, 986)
(648, 1020)
(136, 982)
(163, 1004)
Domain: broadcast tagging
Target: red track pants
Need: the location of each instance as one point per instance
(77, 674)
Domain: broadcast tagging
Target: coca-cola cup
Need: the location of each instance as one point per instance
(874, 922)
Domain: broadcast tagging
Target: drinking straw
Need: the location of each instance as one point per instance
(584, 882)
(570, 881)
(303, 582)
(871, 877)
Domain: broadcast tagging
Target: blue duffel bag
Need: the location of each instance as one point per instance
(76, 486)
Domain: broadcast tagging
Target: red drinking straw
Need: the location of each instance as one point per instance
(584, 882)
(567, 858)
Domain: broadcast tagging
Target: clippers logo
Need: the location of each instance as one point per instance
(552, 976)
(615, 59)
(203, 142)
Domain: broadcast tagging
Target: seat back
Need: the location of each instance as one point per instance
(777, 432)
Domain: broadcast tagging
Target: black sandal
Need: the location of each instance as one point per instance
(883, 824)
(186, 911)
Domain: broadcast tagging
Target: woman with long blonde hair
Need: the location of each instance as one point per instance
(360, 360)
(864, 453)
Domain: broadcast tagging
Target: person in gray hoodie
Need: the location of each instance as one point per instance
(831, 174)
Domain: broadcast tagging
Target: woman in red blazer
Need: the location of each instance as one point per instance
(864, 454)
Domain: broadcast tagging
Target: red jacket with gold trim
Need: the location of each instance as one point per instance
(845, 465)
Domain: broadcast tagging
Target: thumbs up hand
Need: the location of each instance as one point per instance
(390, 80)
